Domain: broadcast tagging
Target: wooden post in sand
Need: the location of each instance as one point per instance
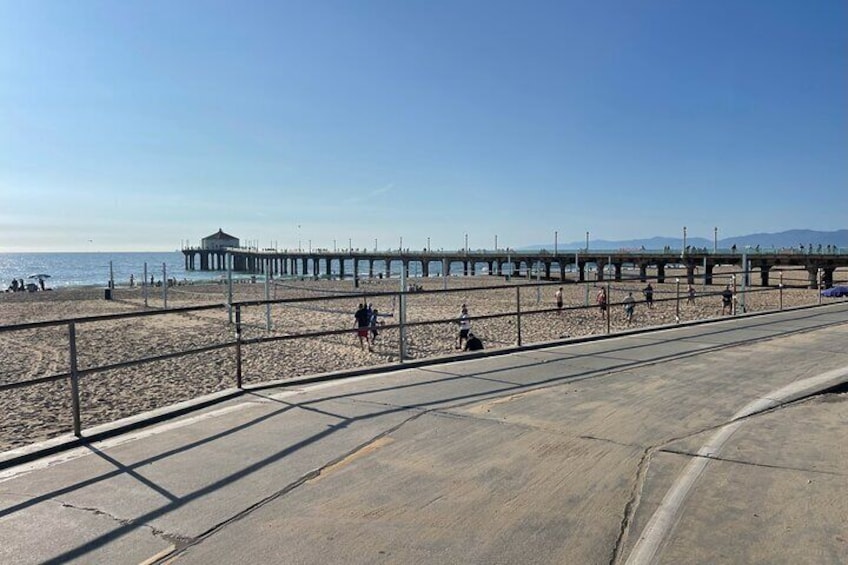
(144, 284)
(164, 286)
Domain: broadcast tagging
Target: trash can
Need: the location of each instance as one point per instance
(107, 293)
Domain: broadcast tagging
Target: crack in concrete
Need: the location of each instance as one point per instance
(175, 540)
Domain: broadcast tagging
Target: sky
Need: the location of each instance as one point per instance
(148, 125)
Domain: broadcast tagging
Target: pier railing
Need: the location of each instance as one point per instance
(93, 370)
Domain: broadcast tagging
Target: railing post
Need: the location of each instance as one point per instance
(238, 345)
(402, 324)
(75, 400)
(781, 290)
(518, 314)
(609, 307)
(677, 302)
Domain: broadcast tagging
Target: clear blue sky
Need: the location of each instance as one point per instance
(137, 125)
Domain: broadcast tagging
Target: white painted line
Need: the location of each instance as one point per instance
(666, 515)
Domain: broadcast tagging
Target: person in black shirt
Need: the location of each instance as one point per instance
(727, 300)
(473, 343)
(362, 320)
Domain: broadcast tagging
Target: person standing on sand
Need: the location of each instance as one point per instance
(727, 300)
(372, 321)
(649, 295)
(559, 299)
(361, 324)
(601, 299)
(464, 327)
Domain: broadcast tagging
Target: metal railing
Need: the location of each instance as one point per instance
(526, 309)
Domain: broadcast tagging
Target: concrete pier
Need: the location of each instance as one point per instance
(698, 265)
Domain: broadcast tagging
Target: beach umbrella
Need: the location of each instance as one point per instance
(39, 276)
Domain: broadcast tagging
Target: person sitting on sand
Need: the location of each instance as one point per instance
(473, 343)
(14, 286)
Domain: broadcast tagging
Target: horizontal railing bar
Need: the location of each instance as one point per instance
(39, 380)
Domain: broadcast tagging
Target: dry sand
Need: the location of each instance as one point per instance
(41, 411)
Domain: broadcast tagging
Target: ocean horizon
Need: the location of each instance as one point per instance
(92, 269)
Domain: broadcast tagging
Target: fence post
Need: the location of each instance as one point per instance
(820, 284)
(781, 290)
(238, 345)
(75, 400)
(518, 313)
(402, 325)
(164, 286)
(609, 306)
(677, 302)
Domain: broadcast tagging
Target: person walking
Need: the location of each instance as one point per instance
(629, 307)
(690, 292)
(559, 299)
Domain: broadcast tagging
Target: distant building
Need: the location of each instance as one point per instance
(219, 240)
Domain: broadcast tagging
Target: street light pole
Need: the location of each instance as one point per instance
(466, 244)
(555, 242)
(587, 241)
(682, 251)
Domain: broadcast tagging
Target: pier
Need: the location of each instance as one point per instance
(357, 263)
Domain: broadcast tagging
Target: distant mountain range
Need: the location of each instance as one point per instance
(790, 238)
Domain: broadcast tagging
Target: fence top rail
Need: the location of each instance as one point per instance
(107, 317)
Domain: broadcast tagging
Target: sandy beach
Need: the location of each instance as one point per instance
(41, 411)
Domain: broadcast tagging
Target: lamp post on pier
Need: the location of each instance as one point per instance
(587, 241)
(466, 244)
(715, 239)
(683, 250)
(555, 242)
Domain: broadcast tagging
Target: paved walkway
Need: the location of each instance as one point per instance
(699, 444)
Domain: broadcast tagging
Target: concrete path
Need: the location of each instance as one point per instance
(700, 444)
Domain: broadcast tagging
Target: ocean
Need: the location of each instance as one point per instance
(92, 269)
